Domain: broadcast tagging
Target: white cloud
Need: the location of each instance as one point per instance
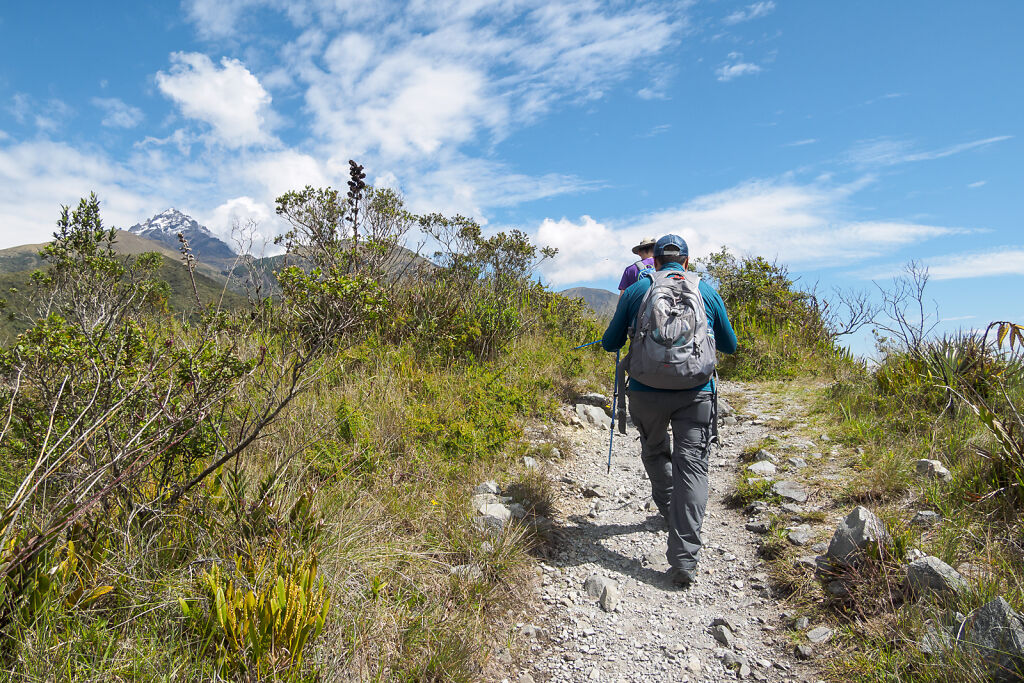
(754, 11)
(47, 116)
(736, 67)
(421, 77)
(37, 177)
(117, 114)
(801, 143)
(1004, 261)
(889, 152)
(230, 98)
(242, 220)
(802, 225)
(976, 184)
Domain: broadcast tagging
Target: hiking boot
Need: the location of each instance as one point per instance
(682, 577)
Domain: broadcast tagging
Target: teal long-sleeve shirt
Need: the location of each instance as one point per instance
(629, 305)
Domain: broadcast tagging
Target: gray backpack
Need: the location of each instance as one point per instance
(672, 347)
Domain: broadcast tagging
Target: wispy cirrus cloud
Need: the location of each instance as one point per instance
(118, 114)
(753, 11)
(889, 151)
(734, 67)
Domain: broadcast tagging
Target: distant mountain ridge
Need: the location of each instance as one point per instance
(165, 226)
(601, 301)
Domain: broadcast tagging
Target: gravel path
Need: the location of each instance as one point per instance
(632, 625)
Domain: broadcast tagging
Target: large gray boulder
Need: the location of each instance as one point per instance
(860, 529)
(997, 633)
(595, 399)
(932, 575)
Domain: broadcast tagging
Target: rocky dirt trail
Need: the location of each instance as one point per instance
(608, 611)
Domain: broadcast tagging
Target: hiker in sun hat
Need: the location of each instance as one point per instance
(645, 250)
(675, 322)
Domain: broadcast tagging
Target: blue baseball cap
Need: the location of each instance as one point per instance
(672, 245)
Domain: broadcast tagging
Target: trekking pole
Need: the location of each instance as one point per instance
(615, 398)
(587, 344)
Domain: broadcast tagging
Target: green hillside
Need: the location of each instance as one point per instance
(174, 273)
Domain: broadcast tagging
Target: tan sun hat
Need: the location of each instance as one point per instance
(645, 243)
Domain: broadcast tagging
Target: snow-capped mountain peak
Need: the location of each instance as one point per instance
(165, 226)
(170, 222)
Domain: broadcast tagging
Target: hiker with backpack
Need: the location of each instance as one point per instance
(637, 269)
(676, 321)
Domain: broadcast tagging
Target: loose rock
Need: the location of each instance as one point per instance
(860, 529)
(801, 535)
(593, 416)
(763, 468)
(933, 469)
(596, 584)
(997, 633)
(489, 486)
(610, 598)
(819, 635)
(722, 634)
(790, 490)
(926, 518)
(932, 575)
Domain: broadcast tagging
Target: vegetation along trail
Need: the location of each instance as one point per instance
(609, 611)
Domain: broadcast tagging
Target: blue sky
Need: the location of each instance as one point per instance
(841, 138)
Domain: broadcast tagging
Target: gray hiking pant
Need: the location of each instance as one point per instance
(678, 470)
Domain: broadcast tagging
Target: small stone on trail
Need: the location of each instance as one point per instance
(693, 664)
(723, 635)
(801, 623)
(756, 508)
(764, 456)
(526, 678)
(790, 490)
(610, 597)
(819, 635)
(763, 468)
(530, 631)
(798, 463)
(727, 622)
(596, 584)
(856, 532)
(792, 508)
(804, 652)
(489, 486)
(933, 469)
(594, 491)
(650, 505)
(758, 527)
(801, 535)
